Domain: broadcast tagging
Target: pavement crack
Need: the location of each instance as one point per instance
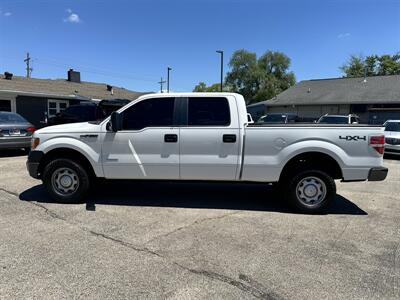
(49, 211)
(245, 286)
(340, 235)
(9, 192)
(123, 243)
(189, 225)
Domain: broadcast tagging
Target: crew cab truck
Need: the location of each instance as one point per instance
(205, 137)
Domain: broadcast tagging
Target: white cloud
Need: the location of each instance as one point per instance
(343, 35)
(72, 17)
(7, 14)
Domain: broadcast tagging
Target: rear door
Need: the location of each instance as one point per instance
(147, 147)
(209, 139)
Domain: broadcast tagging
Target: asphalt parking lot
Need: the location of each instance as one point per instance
(196, 241)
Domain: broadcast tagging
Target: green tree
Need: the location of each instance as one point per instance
(202, 87)
(259, 79)
(243, 77)
(372, 65)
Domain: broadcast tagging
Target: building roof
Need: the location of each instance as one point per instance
(376, 89)
(63, 87)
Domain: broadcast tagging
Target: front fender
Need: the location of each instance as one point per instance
(74, 144)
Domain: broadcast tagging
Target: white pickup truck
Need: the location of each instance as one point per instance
(205, 136)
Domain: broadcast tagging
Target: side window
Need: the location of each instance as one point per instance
(208, 111)
(156, 112)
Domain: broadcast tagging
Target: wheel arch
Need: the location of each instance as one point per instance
(67, 153)
(312, 160)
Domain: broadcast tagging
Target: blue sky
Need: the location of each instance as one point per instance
(131, 43)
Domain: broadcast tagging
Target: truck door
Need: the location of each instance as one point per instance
(147, 147)
(209, 139)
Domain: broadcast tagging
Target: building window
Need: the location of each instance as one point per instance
(56, 106)
(5, 105)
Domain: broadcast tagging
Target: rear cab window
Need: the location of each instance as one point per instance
(208, 111)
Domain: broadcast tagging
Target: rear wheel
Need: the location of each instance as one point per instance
(66, 181)
(311, 191)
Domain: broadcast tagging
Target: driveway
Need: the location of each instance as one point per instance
(173, 240)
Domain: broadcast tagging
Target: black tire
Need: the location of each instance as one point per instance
(319, 182)
(78, 176)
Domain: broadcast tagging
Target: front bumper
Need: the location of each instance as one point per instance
(33, 163)
(377, 174)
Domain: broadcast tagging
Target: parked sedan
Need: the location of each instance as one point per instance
(392, 137)
(15, 131)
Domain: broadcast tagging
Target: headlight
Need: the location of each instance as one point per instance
(34, 143)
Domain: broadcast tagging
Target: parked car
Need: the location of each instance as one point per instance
(205, 137)
(339, 119)
(87, 111)
(392, 137)
(15, 131)
(278, 118)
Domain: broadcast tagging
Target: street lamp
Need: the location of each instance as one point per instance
(168, 69)
(222, 67)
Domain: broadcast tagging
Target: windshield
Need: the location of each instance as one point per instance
(11, 118)
(392, 126)
(334, 120)
(273, 119)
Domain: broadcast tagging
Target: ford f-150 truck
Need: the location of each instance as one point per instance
(205, 136)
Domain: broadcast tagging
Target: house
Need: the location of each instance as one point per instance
(374, 99)
(38, 99)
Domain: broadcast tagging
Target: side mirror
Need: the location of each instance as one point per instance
(115, 121)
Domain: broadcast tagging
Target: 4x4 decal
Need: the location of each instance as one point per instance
(353, 138)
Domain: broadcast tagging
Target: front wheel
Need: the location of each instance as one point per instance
(311, 191)
(66, 181)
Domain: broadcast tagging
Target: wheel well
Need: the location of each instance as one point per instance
(312, 160)
(69, 154)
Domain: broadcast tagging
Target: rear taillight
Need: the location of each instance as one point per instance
(378, 143)
(31, 129)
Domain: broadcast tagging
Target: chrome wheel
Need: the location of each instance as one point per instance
(311, 191)
(65, 181)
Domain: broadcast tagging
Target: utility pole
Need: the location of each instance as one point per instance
(28, 68)
(168, 69)
(222, 67)
(161, 82)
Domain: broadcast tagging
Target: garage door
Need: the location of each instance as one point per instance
(5, 105)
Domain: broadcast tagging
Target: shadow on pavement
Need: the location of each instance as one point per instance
(13, 153)
(254, 197)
